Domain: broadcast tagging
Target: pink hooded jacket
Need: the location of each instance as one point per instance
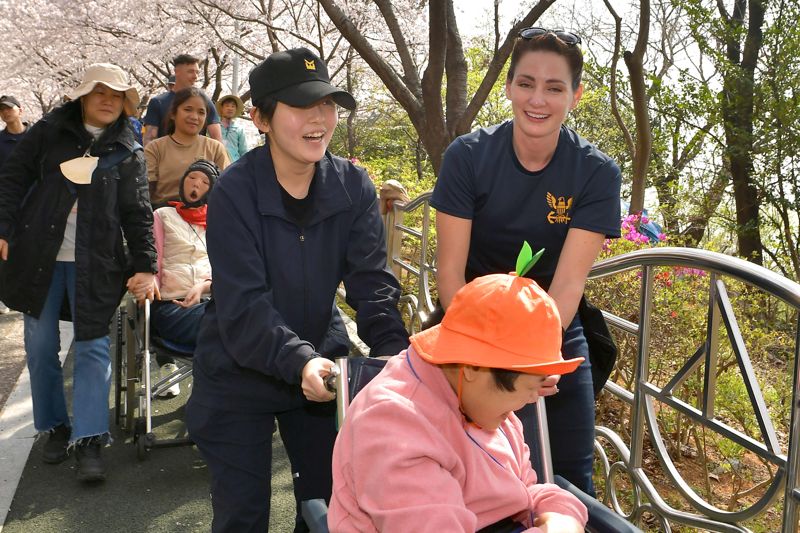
(403, 461)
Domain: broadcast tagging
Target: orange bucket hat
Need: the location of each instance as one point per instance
(499, 321)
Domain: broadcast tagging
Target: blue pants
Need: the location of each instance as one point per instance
(92, 368)
(238, 450)
(570, 417)
(175, 323)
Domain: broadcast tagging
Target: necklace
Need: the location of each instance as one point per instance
(199, 238)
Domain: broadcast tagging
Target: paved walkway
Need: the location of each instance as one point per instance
(167, 492)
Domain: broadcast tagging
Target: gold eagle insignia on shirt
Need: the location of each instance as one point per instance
(561, 207)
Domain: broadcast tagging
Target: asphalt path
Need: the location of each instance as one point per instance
(165, 492)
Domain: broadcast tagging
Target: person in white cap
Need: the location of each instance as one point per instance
(69, 190)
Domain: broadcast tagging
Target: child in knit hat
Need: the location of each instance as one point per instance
(184, 271)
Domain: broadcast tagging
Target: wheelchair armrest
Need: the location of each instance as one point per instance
(601, 518)
(315, 515)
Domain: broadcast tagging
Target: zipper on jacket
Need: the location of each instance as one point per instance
(305, 280)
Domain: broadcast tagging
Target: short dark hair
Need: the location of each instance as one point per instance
(548, 42)
(266, 106)
(179, 98)
(505, 379)
(185, 59)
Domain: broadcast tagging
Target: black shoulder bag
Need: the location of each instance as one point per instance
(603, 350)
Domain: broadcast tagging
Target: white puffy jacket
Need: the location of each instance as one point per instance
(182, 255)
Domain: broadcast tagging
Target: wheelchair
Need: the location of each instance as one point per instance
(135, 389)
(355, 372)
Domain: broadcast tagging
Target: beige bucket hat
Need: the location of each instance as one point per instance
(236, 99)
(111, 76)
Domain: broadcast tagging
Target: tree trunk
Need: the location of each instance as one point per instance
(644, 136)
(436, 124)
(708, 206)
(737, 113)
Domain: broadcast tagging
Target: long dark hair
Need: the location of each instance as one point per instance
(179, 98)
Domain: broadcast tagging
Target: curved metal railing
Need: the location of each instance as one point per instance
(418, 261)
(416, 304)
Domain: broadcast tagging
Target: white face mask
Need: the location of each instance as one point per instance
(80, 169)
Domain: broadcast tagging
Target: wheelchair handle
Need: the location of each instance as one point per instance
(330, 382)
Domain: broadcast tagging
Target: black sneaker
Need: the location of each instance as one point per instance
(91, 466)
(56, 448)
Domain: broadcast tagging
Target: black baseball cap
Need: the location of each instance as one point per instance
(296, 77)
(9, 101)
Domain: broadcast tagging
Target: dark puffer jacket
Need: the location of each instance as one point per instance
(36, 198)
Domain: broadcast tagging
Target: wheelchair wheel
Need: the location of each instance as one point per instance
(143, 445)
(141, 448)
(119, 372)
(130, 400)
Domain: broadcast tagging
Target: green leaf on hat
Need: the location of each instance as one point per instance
(526, 259)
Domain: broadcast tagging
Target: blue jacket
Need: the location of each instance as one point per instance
(275, 282)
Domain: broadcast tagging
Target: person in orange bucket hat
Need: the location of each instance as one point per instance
(433, 444)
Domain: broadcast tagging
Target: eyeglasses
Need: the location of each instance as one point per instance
(569, 38)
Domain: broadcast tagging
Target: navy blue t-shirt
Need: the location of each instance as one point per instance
(158, 111)
(481, 179)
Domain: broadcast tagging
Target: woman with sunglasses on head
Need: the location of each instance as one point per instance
(532, 178)
(287, 223)
(68, 192)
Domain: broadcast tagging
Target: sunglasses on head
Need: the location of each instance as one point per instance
(569, 38)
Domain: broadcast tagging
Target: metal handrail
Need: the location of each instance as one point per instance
(767, 280)
(720, 312)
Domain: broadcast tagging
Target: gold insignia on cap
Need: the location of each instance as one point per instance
(310, 65)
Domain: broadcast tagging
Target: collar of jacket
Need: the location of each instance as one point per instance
(68, 120)
(330, 194)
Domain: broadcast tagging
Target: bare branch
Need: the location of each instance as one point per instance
(626, 133)
(496, 65)
(385, 72)
(410, 74)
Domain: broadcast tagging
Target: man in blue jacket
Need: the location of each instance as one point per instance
(286, 224)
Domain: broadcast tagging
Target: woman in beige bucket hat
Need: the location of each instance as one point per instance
(69, 190)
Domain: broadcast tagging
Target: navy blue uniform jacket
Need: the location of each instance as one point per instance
(275, 282)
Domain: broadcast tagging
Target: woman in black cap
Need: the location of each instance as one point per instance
(287, 223)
(184, 272)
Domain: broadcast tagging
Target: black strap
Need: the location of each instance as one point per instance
(119, 155)
(506, 525)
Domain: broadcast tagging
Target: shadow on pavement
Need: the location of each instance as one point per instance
(167, 492)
